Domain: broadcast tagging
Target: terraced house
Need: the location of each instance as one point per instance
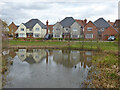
(34, 28)
(68, 28)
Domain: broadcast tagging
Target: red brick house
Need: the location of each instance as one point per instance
(100, 29)
(90, 31)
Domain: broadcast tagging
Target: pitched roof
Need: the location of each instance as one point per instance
(81, 22)
(67, 22)
(111, 23)
(31, 23)
(92, 23)
(102, 23)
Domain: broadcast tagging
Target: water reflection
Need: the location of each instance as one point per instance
(43, 68)
(67, 58)
(31, 56)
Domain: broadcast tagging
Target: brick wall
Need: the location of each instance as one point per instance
(108, 32)
(94, 30)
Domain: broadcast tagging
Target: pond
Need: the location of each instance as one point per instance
(44, 68)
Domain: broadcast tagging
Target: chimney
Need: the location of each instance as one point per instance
(47, 26)
(108, 20)
(85, 21)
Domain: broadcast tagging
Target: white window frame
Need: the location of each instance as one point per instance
(36, 34)
(89, 28)
(37, 29)
(89, 36)
(22, 29)
(21, 35)
(57, 36)
(57, 29)
(75, 29)
(75, 36)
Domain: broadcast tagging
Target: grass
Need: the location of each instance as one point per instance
(107, 64)
(108, 46)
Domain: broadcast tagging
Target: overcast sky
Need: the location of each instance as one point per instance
(20, 11)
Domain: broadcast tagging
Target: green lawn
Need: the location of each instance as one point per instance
(109, 46)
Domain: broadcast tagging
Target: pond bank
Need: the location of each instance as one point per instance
(107, 70)
(50, 47)
(108, 46)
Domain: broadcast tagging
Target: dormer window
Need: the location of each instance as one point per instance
(89, 28)
(22, 29)
(37, 29)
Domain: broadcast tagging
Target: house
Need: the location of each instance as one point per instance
(90, 31)
(67, 28)
(12, 29)
(105, 29)
(34, 28)
(100, 29)
(32, 56)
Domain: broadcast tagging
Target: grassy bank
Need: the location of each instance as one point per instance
(107, 70)
(109, 46)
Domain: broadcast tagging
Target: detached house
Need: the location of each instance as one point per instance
(34, 28)
(100, 29)
(66, 28)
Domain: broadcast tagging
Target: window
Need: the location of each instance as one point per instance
(75, 36)
(89, 35)
(21, 35)
(22, 29)
(66, 29)
(57, 35)
(74, 29)
(57, 29)
(37, 29)
(89, 28)
(36, 35)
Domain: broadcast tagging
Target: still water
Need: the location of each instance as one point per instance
(43, 68)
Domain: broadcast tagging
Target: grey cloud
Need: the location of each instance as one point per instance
(21, 12)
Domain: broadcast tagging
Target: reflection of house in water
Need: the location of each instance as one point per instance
(70, 58)
(66, 57)
(31, 56)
